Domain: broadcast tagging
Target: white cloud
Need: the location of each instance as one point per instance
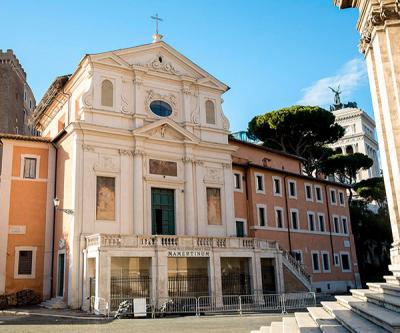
(349, 77)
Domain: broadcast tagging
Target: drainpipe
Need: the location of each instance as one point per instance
(329, 223)
(287, 214)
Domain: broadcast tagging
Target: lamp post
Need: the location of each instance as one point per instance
(56, 202)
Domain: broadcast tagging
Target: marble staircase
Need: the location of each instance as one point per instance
(372, 310)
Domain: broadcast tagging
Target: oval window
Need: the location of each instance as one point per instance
(161, 108)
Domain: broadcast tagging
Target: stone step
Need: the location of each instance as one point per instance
(385, 288)
(325, 320)
(276, 327)
(362, 293)
(387, 301)
(385, 318)
(290, 325)
(306, 323)
(264, 329)
(352, 321)
(392, 280)
(334, 329)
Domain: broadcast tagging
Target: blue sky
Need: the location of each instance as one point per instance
(271, 53)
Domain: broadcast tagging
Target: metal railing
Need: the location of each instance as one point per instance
(221, 304)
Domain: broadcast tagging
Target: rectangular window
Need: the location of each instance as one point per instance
(240, 229)
(279, 217)
(321, 221)
(318, 193)
(105, 198)
(326, 266)
(30, 164)
(259, 183)
(315, 261)
(345, 259)
(341, 198)
(237, 181)
(25, 260)
(344, 225)
(214, 206)
(261, 216)
(336, 224)
(333, 197)
(308, 192)
(295, 218)
(311, 222)
(277, 186)
(336, 258)
(292, 189)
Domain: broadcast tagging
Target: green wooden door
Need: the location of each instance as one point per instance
(239, 228)
(163, 211)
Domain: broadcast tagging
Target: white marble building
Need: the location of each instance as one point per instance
(143, 161)
(359, 137)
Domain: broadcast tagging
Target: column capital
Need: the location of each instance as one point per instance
(377, 17)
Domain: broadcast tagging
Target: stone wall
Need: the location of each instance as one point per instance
(292, 284)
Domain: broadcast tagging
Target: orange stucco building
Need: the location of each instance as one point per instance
(26, 215)
(309, 217)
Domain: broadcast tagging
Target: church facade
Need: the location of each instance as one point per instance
(141, 173)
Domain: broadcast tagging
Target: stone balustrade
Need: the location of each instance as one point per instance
(171, 242)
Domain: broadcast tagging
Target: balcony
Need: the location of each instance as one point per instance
(174, 242)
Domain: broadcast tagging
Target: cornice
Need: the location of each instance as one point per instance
(377, 17)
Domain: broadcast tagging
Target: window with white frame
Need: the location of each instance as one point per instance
(345, 260)
(321, 222)
(318, 194)
(333, 196)
(294, 217)
(292, 189)
(326, 265)
(337, 260)
(277, 185)
(25, 262)
(315, 261)
(341, 198)
(311, 221)
(336, 227)
(262, 215)
(345, 228)
(30, 168)
(237, 181)
(308, 192)
(298, 255)
(260, 183)
(279, 217)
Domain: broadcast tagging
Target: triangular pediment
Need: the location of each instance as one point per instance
(162, 58)
(166, 129)
(112, 60)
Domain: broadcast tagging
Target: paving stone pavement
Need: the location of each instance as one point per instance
(217, 324)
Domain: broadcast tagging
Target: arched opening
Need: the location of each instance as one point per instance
(338, 150)
(349, 150)
(107, 94)
(210, 112)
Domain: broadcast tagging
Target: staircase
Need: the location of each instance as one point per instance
(296, 268)
(372, 310)
(54, 303)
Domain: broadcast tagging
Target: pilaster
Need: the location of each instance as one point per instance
(138, 191)
(190, 223)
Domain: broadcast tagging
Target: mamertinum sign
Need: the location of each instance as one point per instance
(188, 253)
